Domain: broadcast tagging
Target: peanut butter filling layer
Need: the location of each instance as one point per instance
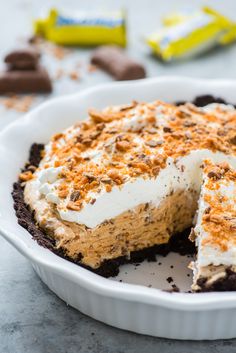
(137, 229)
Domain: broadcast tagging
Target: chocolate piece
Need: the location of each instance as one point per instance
(22, 65)
(23, 73)
(23, 59)
(114, 61)
(32, 81)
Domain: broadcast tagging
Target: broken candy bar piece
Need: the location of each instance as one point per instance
(32, 81)
(22, 59)
(114, 61)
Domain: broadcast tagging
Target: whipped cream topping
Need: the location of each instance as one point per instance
(185, 173)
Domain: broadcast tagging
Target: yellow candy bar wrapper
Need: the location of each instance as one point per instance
(174, 18)
(83, 28)
(229, 36)
(188, 34)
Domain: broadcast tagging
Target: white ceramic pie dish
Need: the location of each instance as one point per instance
(127, 306)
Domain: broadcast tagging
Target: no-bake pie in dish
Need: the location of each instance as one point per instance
(124, 183)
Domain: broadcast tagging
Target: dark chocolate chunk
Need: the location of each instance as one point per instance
(90, 177)
(23, 59)
(114, 61)
(22, 65)
(233, 140)
(215, 174)
(75, 196)
(167, 129)
(32, 81)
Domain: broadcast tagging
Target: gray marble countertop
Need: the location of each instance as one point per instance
(32, 318)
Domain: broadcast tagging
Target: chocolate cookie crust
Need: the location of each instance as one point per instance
(228, 283)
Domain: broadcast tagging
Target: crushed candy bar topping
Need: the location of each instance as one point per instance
(122, 143)
(219, 219)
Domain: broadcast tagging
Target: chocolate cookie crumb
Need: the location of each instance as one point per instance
(169, 279)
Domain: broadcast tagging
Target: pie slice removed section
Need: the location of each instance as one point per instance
(215, 230)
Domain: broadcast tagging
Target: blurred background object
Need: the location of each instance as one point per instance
(23, 73)
(187, 34)
(122, 22)
(82, 28)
